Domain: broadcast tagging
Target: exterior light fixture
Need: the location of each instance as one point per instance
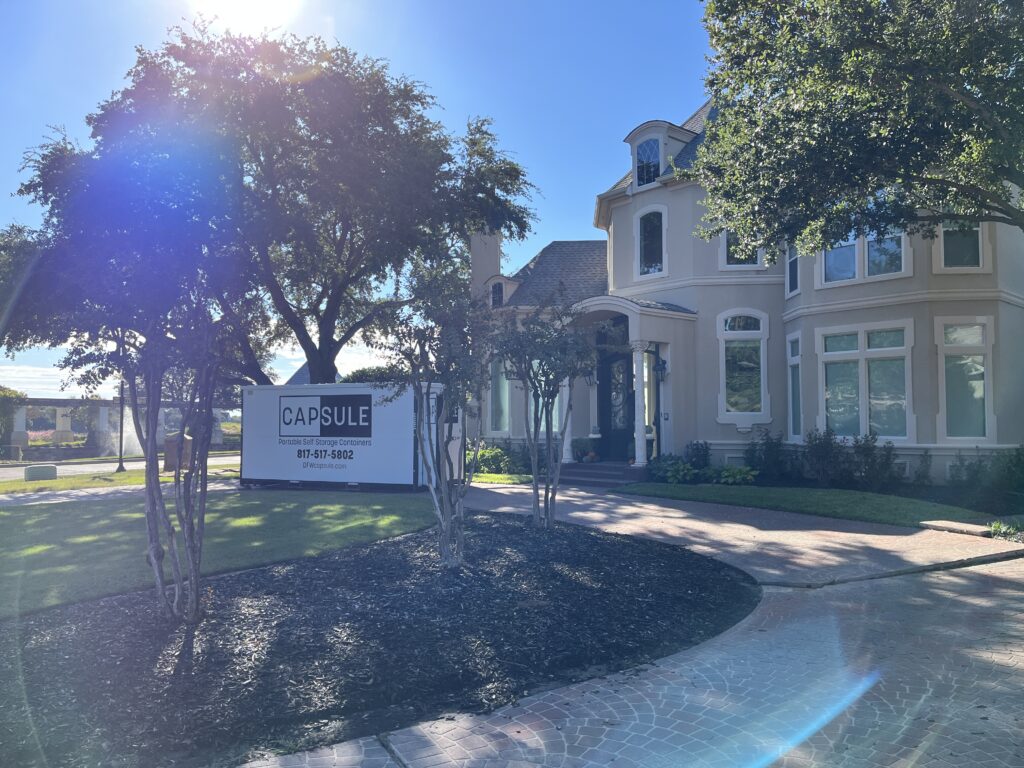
(660, 369)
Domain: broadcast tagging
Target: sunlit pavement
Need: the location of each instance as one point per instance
(920, 670)
(100, 466)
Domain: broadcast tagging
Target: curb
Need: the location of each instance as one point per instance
(951, 565)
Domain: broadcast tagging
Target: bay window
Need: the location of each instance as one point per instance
(743, 393)
(866, 383)
(795, 401)
(960, 249)
(859, 259)
(966, 410)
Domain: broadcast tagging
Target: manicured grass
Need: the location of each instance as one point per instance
(498, 479)
(102, 480)
(59, 553)
(827, 502)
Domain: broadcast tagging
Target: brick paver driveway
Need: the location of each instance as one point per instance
(921, 670)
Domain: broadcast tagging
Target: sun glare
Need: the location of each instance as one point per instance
(248, 16)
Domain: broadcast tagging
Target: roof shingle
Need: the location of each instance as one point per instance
(564, 270)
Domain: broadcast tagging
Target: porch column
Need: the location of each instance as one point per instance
(567, 457)
(63, 433)
(639, 404)
(19, 435)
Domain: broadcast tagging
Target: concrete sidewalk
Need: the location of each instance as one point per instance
(17, 471)
(913, 671)
(776, 548)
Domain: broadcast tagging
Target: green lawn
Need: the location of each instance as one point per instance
(102, 480)
(827, 502)
(497, 479)
(60, 553)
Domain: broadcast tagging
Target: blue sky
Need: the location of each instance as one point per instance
(563, 80)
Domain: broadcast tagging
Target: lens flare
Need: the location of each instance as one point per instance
(248, 17)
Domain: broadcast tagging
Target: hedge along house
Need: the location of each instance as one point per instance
(914, 339)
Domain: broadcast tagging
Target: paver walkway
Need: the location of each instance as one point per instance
(914, 671)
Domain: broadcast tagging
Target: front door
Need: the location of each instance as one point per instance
(615, 405)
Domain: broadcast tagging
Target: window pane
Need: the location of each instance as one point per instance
(794, 347)
(499, 398)
(885, 255)
(842, 398)
(742, 323)
(648, 161)
(792, 270)
(965, 395)
(731, 257)
(497, 295)
(885, 339)
(842, 342)
(841, 263)
(794, 400)
(887, 397)
(960, 248)
(650, 243)
(743, 376)
(964, 335)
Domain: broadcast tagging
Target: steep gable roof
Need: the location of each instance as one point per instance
(564, 270)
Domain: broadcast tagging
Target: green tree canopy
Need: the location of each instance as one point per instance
(835, 116)
(340, 172)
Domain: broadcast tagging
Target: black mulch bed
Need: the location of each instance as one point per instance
(351, 643)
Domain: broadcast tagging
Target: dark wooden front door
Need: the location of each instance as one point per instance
(615, 405)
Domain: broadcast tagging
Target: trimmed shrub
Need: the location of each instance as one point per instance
(697, 454)
(736, 476)
(969, 473)
(874, 469)
(827, 458)
(493, 460)
(923, 469)
(770, 458)
(1007, 470)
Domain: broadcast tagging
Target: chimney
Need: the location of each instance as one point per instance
(484, 259)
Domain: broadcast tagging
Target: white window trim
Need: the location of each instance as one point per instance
(661, 160)
(744, 422)
(861, 355)
(656, 208)
(984, 254)
(966, 349)
(861, 264)
(799, 283)
(488, 432)
(723, 254)
(792, 360)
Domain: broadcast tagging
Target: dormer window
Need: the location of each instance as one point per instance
(497, 295)
(648, 161)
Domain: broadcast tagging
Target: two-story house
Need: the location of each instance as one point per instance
(915, 339)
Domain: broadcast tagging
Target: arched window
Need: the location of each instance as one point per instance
(743, 393)
(648, 161)
(650, 227)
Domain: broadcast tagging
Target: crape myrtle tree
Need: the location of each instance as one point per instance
(862, 116)
(546, 351)
(341, 173)
(131, 272)
(439, 346)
